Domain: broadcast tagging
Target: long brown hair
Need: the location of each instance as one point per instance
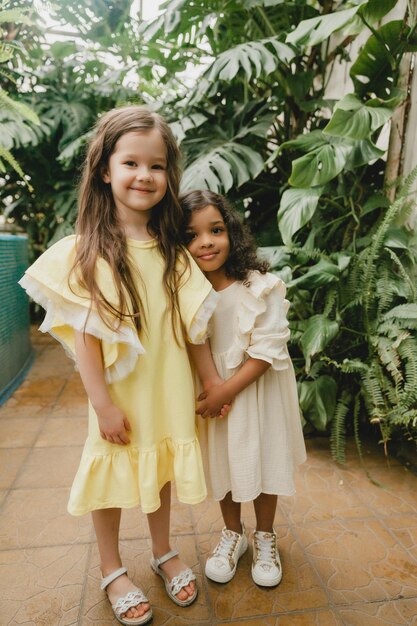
(100, 234)
(242, 254)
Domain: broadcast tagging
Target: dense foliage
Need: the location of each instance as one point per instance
(245, 84)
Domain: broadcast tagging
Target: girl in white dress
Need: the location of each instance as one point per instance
(251, 454)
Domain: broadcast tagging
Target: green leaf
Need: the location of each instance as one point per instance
(363, 152)
(315, 30)
(322, 273)
(220, 168)
(319, 166)
(396, 237)
(319, 332)
(352, 118)
(374, 10)
(318, 401)
(375, 201)
(307, 141)
(297, 207)
(253, 57)
(17, 110)
(373, 70)
(183, 125)
(62, 49)
(14, 15)
(403, 311)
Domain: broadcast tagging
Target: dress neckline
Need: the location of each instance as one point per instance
(145, 243)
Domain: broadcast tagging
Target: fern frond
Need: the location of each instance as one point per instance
(356, 413)
(408, 353)
(373, 393)
(330, 301)
(6, 155)
(389, 357)
(404, 274)
(17, 109)
(338, 428)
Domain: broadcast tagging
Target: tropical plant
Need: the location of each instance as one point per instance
(245, 86)
(14, 115)
(257, 124)
(71, 83)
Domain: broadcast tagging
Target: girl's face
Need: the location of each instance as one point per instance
(137, 173)
(208, 240)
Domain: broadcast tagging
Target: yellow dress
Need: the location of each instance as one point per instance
(149, 378)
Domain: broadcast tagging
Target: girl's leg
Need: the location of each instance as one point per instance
(221, 565)
(231, 513)
(106, 525)
(265, 507)
(159, 529)
(266, 565)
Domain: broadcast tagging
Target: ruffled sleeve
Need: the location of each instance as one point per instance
(197, 301)
(68, 309)
(262, 326)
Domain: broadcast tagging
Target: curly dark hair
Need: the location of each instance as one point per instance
(242, 256)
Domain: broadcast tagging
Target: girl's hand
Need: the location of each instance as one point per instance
(213, 402)
(113, 424)
(208, 384)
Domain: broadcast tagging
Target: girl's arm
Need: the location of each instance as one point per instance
(204, 364)
(112, 422)
(215, 397)
(207, 372)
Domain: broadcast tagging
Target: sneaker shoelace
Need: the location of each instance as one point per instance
(226, 544)
(265, 547)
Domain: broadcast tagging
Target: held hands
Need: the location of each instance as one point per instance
(214, 401)
(113, 424)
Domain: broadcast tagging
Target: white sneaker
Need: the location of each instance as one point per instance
(266, 566)
(221, 566)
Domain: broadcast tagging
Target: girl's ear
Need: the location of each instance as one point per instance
(105, 174)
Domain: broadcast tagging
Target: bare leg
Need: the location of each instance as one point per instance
(231, 513)
(106, 525)
(159, 529)
(265, 507)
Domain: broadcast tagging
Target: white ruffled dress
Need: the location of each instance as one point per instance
(149, 378)
(256, 448)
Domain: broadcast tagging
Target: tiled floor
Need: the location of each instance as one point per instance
(348, 543)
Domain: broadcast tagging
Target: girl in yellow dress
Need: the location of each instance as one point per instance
(124, 298)
(251, 455)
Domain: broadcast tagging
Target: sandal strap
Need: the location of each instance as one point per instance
(133, 598)
(166, 557)
(105, 582)
(182, 580)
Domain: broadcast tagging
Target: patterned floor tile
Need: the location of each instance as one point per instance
(394, 613)
(313, 618)
(20, 433)
(44, 387)
(11, 461)
(321, 494)
(359, 561)
(387, 491)
(17, 408)
(404, 528)
(41, 586)
(63, 431)
(39, 517)
(49, 467)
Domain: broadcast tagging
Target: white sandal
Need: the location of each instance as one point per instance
(131, 599)
(178, 582)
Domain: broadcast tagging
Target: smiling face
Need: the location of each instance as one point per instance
(208, 241)
(137, 173)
